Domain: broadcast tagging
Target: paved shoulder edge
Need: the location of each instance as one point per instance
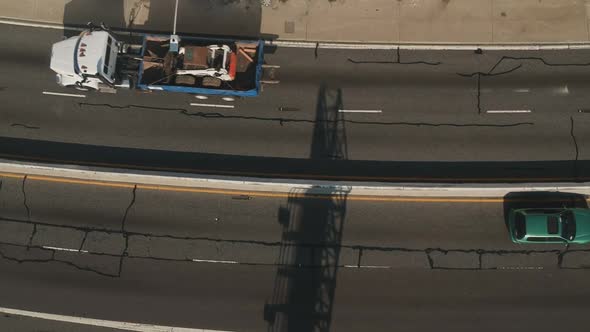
(185, 181)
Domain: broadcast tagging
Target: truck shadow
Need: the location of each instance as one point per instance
(542, 199)
(212, 17)
(77, 13)
(313, 224)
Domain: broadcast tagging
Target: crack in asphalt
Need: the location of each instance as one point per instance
(478, 81)
(491, 73)
(478, 94)
(504, 58)
(28, 210)
(430, 259)
(315, 51)
(282, 121)
(83, 241)
(133, 197)
(577, 150)
(397, 61)
(545, 62)
(362, 250)
(123, 231)
(32, 236)
(24, 126)
(53, 259)
(414, 124)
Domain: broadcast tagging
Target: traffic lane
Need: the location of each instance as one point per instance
(82, 125)
(335, 65)
(246, 228)
(106, 122)
(369, 136)
(234, 297)
(164, 293)
(493, 137)
(23, 42)
(376, 67)
(460, 301)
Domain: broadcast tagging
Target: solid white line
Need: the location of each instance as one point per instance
(522, 90)
(368, 266)
(212, 105)
(508, 111)
(101, 322)
(10, 21)
(416, 46)
(63, 94)
(213, 261)
(65, 249)
(360, 111)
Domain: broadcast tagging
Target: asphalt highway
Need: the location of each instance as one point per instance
(243, 262)
(434, 122)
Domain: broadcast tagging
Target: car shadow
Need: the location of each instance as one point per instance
(542, 199)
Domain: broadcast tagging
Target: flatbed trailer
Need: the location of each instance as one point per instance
(98, 60)
(246, 63)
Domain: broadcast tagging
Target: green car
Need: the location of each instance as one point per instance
(563, 226)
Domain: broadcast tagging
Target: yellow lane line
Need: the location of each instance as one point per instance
(248, 193)
(265, 194)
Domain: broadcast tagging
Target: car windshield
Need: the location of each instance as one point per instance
(568, 225)
(519, 226)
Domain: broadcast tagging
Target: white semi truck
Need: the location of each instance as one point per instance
(98, 59)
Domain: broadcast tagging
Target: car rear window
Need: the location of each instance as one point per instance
(519, 226)
(552, 225)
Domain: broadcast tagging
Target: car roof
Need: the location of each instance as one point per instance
(538, 225)
(542, 222)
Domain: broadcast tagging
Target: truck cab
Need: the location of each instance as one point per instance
(87, 61)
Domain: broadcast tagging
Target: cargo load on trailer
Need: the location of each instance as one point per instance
(98, 60)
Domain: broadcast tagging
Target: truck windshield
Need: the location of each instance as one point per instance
(107, 57)
(568, 225)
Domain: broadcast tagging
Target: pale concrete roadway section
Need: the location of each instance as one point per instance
(389, 21)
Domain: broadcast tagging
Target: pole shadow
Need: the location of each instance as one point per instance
(305, 283)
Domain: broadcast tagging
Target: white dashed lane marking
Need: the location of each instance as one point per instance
(212, 105)
(63, 94)
(65, 249)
